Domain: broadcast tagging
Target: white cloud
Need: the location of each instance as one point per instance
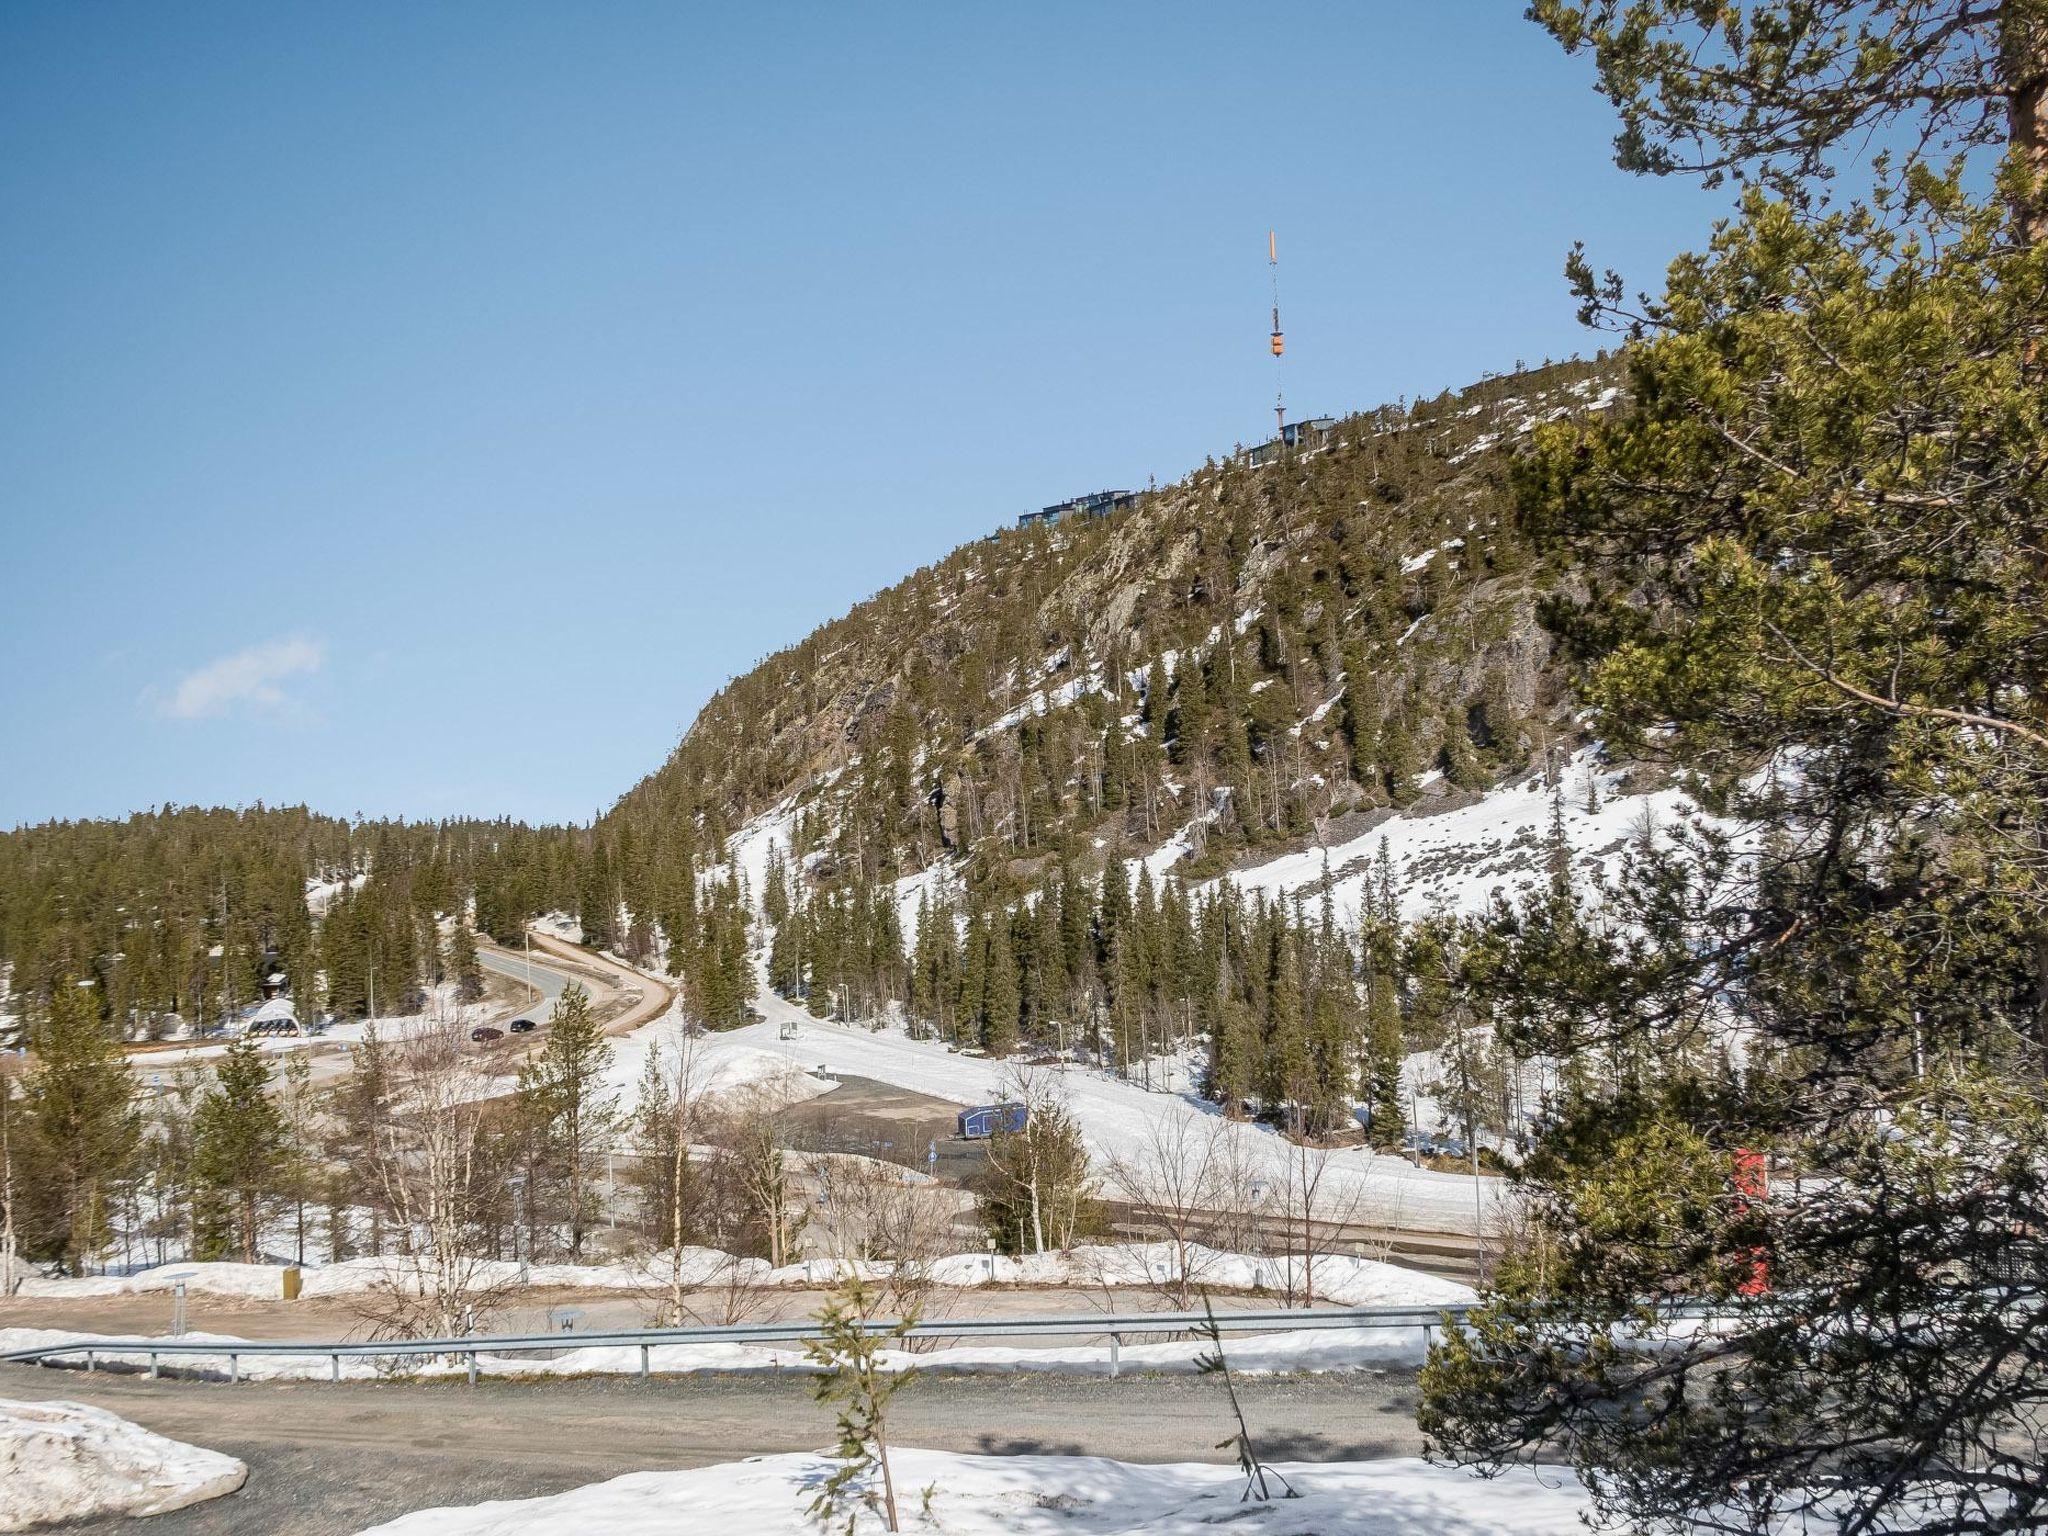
(252, 678)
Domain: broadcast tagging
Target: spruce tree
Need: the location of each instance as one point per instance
(563, 1090)
(79, 1130)
(238, 1144)
(464, 965)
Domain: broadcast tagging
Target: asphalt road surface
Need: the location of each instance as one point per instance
(547, 983)
(329, 1459)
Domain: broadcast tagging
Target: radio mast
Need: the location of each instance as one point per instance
(1279, 341)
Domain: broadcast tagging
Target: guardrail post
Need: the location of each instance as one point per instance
(643, 1362)
(1115, 1352)
(472, 1367)
(334, 1360)
(234, 1368)
(152, 1365)
(91, 1361)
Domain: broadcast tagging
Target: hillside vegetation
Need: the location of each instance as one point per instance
(1241, 659)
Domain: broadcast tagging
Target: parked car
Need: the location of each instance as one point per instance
(483, 1034)
(523, 1026)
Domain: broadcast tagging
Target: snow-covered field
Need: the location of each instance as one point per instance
(69, 1461)
(1119, 1119)
(718, 1065)
(962, 1495)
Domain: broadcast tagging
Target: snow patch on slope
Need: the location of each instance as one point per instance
(1458, 860)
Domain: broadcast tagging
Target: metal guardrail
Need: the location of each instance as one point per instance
(1116, 1327)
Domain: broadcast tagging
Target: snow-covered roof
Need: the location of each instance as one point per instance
(276, 1008)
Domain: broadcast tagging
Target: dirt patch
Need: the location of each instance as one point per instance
(876, 1119)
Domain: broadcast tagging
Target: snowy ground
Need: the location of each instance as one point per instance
(719, 1065)
(1107, 1270)
(1036, 1496)
(69, 1461)
(1280, 1353)
(352, 1032)
(1339, 1278)
(1119, 1119)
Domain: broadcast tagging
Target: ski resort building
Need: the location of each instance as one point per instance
(1094, 504)
(1308, 436)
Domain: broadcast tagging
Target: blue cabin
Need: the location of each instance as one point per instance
(985, 1120)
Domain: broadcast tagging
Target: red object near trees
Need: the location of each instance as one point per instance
(1750, 1177)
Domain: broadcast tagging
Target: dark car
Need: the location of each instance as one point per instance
(523, 1026)
(483, 1033)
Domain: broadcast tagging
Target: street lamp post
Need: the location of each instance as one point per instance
(518, 1183)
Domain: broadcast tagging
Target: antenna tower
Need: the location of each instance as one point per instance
(1279, 342)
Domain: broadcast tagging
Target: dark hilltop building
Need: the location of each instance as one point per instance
(1307, 436)
(1095, 504)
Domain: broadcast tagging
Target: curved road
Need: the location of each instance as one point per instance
(327, 1458)
(554, 964)
(548, 983)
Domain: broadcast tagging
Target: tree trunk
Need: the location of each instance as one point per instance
(2024, 46)
(2024, 43)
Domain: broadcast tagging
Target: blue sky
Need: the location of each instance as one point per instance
(423, 409)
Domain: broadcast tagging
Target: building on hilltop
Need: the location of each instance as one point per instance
(1308, 436)
(1094, 504)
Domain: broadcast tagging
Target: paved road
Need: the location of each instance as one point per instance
(335, 1459)
(547, 983)
(653, 993)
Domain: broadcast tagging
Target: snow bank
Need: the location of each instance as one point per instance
(1038, 1496)
(260, 1282)
(700, 1266)
(1287, 1350)
(1339, 1278)
(70, 1461)
(1260, 1354)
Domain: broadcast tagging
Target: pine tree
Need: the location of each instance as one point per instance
(1000, 996)
(79, 1130)
(852, 1374)
(238, 1140)
(464, 965)
(1827, 511)
(562, 1091)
